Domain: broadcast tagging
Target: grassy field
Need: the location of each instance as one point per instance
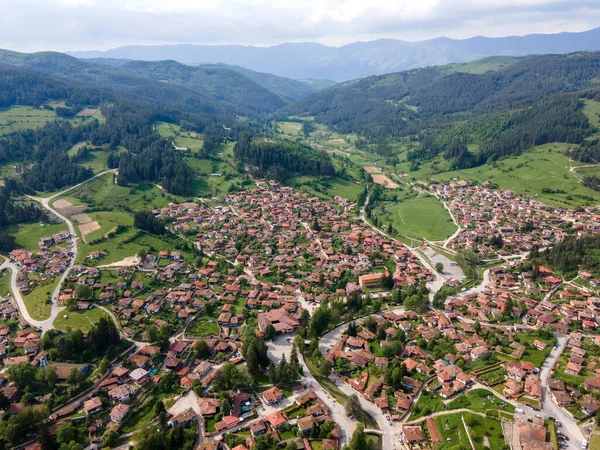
(480, 400)
(483, 65)
(591, 109)
(19, 118)
(103, 192)
(420, 217)
(27, 235)
(452, 432)
(108, 221)
(4, 282)
(485, 432)
(124, 245)
(290, 128)
(37, 300)
(182, 139)
(545, 166)
(95, 160)
(81, 320)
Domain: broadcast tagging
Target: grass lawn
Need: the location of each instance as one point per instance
(19, 118)
(480, 400)
(551, 427)
(140, 417)
(36, 300)
(375, 440)
(81, 320)
(452, 432)
(485, 432)
(27, 235)
(4, 281)
(595, 442)
(290, 128)
(493, 376)
(202, 326)
(420, 217)
(531, 354)
(428, 403)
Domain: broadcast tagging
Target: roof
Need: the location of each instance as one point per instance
(272, 394)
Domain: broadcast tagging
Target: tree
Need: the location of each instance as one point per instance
(352, 405)
(4, 401)
(325, 367)
(66, 433)
(201, 348)
(83, 292)
(439, 267)
(272, 373)
(23, 374)
(359, 439)
(269, 332)
(152, 333)
(477, 326)
(104, 365)
(109, 438)
(315, 225)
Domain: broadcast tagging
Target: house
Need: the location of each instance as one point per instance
(92, 406)
(306, 424)
(276, 419)
(541, 346)
(119, 393)
(371, 280)
(272, 395)
(183, 418)
(208, 407)
(562, 398)
(413, 434)
(118, 413)
(589, 404)
(139, 376)
(257, 428)
(513, 388)
(240, 403)
(281, 319)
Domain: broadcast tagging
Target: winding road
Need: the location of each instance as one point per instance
(55, 310)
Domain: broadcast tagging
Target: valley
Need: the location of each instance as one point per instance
(209, 257)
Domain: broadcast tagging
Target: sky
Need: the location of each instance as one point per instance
(69, 25)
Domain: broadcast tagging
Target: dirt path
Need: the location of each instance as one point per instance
(467, 431)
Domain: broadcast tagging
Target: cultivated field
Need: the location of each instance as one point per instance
(384, 181)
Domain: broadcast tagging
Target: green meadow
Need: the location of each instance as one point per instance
(422, 217)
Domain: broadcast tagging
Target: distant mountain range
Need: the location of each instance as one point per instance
(360, 59)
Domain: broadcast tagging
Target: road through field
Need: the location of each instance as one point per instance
(55, 310)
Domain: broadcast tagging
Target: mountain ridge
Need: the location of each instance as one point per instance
(358, 59)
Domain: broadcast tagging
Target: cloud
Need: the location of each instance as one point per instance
(100, 24)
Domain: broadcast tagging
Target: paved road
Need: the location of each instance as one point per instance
(14, 269)
(55, 310)
(549, 407)
(280, 346)
(389, 429)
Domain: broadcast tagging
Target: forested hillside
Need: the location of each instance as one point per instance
(281, 158)
(229, 87)
(503, 111)
(219, 92)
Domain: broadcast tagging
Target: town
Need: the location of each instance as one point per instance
(300, 325)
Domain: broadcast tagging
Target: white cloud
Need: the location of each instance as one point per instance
(99, 24)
